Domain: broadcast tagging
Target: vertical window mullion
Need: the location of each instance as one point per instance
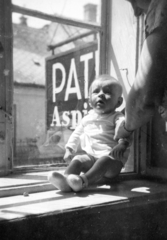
(104, 36)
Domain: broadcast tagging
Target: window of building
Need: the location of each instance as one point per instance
(56, 50)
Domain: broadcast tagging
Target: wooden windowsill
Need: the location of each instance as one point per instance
(43, 198)
(128, 209)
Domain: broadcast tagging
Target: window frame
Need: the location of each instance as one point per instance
(104, 31)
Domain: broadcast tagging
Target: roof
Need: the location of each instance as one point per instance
(30, 49)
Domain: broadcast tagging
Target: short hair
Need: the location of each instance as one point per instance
(104, 77)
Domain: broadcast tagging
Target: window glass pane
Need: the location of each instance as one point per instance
(54, 65)
(83, 10)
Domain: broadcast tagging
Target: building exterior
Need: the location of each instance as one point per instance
(31, 48)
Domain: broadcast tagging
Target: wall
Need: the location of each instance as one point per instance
(30, 111)
(29, 123)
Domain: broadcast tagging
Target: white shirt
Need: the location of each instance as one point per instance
(95, 133)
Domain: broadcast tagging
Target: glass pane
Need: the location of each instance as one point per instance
(83, 10)
(54, 65)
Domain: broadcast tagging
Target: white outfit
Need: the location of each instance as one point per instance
(96, 133)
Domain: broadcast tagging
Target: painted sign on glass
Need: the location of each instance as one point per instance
(69, 76)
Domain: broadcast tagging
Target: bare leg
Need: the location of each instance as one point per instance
(104, 166)
(75, 167)
(60, 180)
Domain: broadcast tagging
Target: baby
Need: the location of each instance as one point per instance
(103, 156)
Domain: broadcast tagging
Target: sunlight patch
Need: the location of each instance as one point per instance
(141, 189)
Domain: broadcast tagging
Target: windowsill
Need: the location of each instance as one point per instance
(126, 209)
(43, 198)
(34, 179)
(19, 183)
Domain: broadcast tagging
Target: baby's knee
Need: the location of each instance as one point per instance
(104, 159)
(77, 164)
(114, 169)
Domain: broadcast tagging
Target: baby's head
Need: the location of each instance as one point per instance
(105, 94)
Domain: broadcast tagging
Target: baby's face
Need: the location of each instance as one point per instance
(105, 96)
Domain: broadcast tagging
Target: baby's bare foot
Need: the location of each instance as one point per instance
(59, 181)
(76, 182)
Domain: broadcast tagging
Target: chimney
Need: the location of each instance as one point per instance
(23, 20)
(90, 12)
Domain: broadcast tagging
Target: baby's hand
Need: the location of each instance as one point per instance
(121, 132)
(118, 151)
(68, 155)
